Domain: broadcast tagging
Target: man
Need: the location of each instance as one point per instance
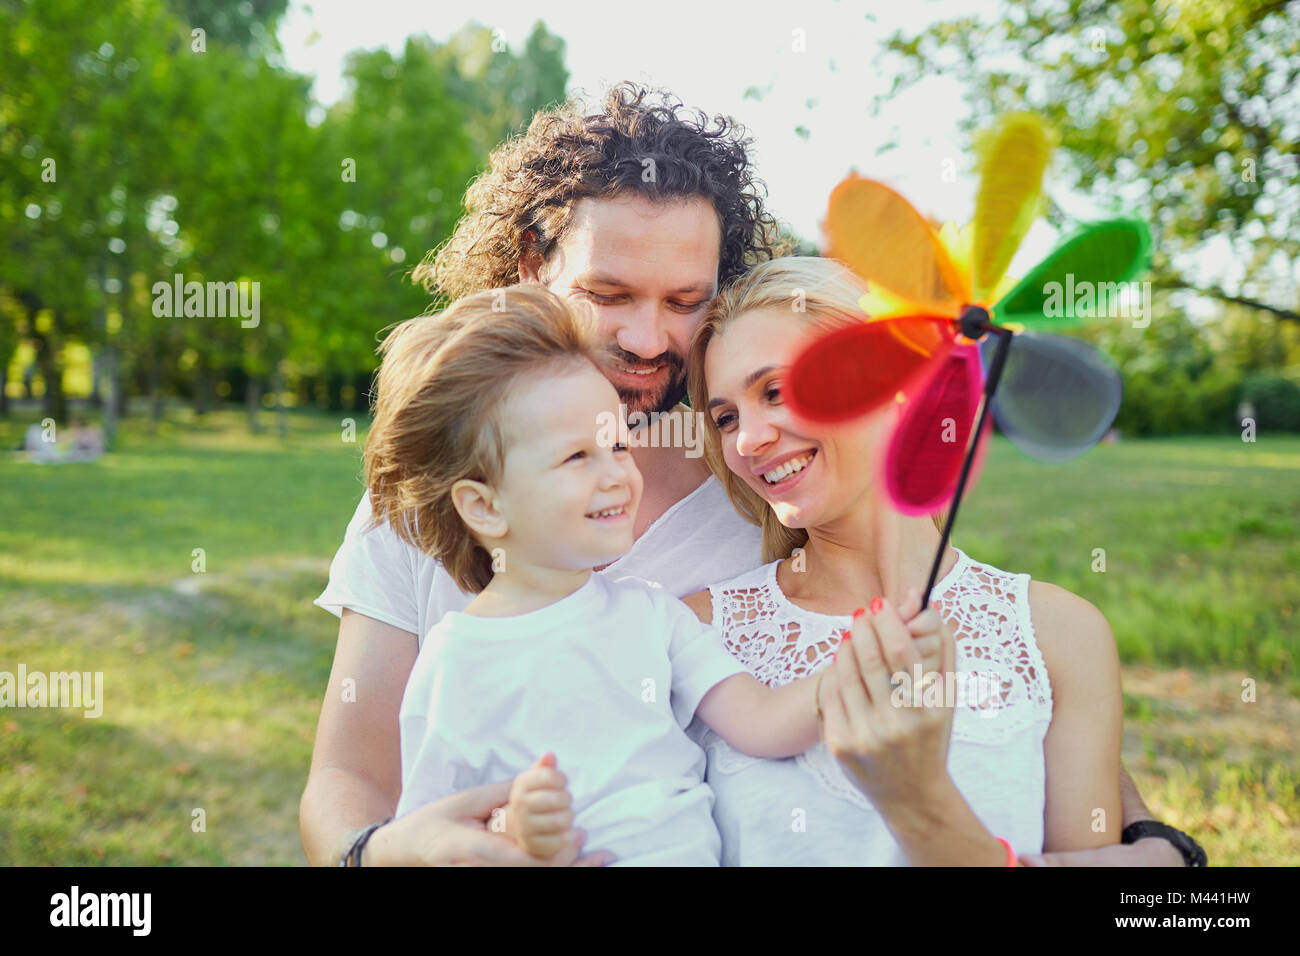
(643, 210)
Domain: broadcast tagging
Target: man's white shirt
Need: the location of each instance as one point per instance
(699, 541)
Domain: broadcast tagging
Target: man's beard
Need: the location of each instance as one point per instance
(662, 399)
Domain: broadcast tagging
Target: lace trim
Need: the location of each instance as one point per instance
(1003, 687)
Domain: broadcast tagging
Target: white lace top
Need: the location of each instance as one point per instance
(804, 810)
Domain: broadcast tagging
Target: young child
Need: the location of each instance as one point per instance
(488, 452)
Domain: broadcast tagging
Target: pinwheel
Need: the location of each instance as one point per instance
(936, 295)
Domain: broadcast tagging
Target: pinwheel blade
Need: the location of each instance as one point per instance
(880, 236)
(1057, 397)
(853, 370)
(1082, 279)
(1013, 156)
(925, 454)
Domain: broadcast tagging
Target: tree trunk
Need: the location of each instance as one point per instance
(4, 387)
(54, 404)
(113, 399)
(155, 394)
(253, 401)
(361, 398)
(120, 407)
(281, 413)
(334, 383)
(96, 373)
(203, 387)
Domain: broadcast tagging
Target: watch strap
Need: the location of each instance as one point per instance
(1193, 854)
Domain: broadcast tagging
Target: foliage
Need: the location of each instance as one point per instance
(132, 150)
(1184, 111)
(1275, 398)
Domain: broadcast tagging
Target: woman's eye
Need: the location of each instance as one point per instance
(723, 420)
(576, 455)
(597, 297)
(773, 390)
(687, 306)
(621, 446)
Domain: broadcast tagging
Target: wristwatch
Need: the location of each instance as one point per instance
(357, 840)
(1192, 853)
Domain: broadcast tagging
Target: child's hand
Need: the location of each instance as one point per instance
(538, 818)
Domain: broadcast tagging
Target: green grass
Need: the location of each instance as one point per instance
(1200, 539)
(213, 680)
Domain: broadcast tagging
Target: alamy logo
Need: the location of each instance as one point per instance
(673, 429)
(181, 299)
(1092, 300)
(56, 689)
(977, 690)
(102, 909)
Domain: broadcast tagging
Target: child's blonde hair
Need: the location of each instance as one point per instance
(441, 389)
(816, 291)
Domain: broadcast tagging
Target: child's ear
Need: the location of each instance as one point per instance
(476, 504)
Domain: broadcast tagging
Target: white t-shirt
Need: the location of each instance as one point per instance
(607, 678)
(699, 541)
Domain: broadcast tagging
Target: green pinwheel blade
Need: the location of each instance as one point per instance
(1082, 280)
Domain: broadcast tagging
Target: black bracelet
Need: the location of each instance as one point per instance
(1191, 851)
(353, 856)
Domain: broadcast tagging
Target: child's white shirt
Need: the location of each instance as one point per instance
(607, 679)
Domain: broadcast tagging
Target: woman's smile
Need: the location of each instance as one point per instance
(783, 473)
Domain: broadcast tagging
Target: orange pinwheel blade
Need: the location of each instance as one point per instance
(1013, 156)
(880, 236)
(852, 371)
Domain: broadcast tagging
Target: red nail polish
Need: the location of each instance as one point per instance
(858, 613)
(877, 605)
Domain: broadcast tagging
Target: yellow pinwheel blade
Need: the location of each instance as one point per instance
(1012, 158)
(880, 236)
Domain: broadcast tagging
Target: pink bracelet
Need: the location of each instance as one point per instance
(1011, 854)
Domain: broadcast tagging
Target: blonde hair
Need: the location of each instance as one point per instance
(441, 388)
(827, 295)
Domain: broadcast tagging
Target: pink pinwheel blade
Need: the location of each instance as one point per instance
(925, 453)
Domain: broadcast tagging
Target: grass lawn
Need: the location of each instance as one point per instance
(212, 680)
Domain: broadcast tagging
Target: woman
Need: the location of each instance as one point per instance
(1033, 762)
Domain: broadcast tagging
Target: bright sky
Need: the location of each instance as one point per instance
(709, 54)
(818, 64)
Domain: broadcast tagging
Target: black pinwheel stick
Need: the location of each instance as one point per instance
(974, 323)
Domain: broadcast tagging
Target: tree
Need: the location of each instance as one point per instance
(82, 142)
(499, 89)
(1188, 113)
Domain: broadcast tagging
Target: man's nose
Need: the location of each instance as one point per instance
(644, 334)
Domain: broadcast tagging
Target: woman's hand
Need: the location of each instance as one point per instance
(893, 746)
(454, 831)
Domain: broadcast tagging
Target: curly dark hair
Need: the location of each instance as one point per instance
(525, 198)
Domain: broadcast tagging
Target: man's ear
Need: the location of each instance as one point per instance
(530, 258)
(476, 505)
